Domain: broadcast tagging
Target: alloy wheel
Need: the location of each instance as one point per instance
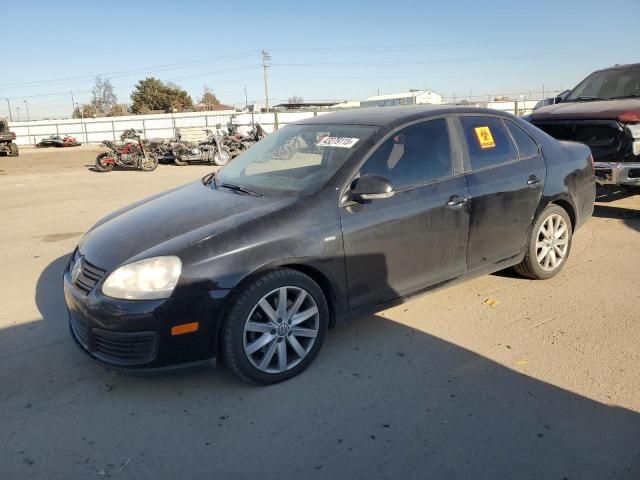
(552, 242)
(281, 329)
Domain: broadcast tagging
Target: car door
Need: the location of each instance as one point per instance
(417, 237)
(505, 183)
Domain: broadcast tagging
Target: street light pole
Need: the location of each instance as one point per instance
(9, 107)
(18, 110)
(266, 58)
(28, 120)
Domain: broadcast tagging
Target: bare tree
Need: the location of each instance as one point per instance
(295, 100)
(208, 97)
(103, 98)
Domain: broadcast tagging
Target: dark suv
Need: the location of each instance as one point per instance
(603, 112)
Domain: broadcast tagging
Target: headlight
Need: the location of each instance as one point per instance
(634, 129)
(147, 279)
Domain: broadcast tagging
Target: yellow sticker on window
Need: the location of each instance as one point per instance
(484, 137)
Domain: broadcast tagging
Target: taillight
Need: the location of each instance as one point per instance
(13, 135)
(592, 161)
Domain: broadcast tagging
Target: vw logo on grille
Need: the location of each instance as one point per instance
(75, 271)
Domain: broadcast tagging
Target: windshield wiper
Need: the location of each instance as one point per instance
(240, 188)
(585, 98)
(631, 95)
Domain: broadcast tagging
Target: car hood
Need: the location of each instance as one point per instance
(167, 223)
(601, 110)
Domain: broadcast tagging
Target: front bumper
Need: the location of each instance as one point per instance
(618, 173)
(137, 334)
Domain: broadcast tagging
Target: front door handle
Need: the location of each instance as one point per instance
(533, 181)
(456, 201)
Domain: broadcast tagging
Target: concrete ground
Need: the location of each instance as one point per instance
(545, 384)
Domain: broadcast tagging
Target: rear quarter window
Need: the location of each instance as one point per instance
(488, 141)
(527, 147)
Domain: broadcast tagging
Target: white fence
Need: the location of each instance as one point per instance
(94, 130)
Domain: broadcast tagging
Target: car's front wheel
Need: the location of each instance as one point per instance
(276, 327)
(549, 244)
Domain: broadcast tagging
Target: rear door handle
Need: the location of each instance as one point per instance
(456, 201)
(533, 180)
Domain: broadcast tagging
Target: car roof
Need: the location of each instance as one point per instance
(381, 116)
(619, 67)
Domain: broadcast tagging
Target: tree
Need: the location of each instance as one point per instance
(118, 110)
(295, 100)
(208, 97)
(153, 94)
(88, 110)
(103, 98)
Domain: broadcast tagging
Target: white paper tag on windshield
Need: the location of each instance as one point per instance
(340, 142)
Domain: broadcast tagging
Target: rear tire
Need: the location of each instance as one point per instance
(13, 150)
(266, 346)
(103, 167)
(549, 244)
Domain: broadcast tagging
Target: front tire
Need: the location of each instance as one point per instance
(150, 163)
(275, 327)
(549, 244)
(14, 152)
(221, 157)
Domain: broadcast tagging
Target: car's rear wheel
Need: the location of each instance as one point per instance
(549, 244)
(14, 150)
(275, 328)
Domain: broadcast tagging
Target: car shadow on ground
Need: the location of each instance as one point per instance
(383, 400)
(630, 216)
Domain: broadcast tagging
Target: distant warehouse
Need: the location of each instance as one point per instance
(412, 97)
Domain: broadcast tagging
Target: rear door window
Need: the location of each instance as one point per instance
(526, 146)
(488, 141)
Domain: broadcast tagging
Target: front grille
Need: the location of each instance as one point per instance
(124, 348)
(606, 138)
(88, 276)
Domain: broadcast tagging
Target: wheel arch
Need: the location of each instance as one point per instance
(568, 207)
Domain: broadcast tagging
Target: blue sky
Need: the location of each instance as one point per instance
(320, 50)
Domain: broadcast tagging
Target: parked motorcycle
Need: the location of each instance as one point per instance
(237, 143)
(211, 151)
(132, 153)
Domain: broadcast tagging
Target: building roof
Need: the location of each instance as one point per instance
(381, 116)
(391, 96)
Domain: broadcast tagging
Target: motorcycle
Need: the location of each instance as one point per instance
(58, 141)
(132, 153)
(237, 143)
(212, 150)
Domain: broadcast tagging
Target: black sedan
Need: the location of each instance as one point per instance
(333, 216)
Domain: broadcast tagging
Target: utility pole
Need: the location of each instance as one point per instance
(73, 104)
(18, 110)
(246, 101)
(27, 107)
(9, 107)
(266, 58)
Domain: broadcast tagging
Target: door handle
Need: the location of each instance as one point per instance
(456, 201)
(533, 180)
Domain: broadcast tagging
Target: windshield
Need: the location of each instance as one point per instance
(295, 159)
(608, 85)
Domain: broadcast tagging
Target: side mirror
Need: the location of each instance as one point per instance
(371, 187)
